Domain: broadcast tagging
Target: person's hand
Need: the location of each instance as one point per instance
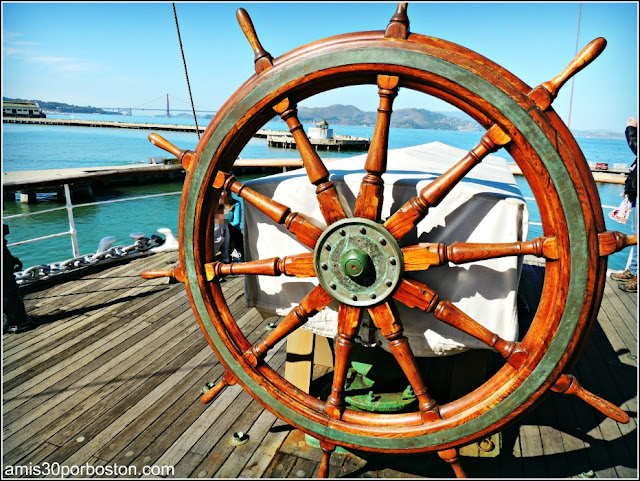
(632, 122)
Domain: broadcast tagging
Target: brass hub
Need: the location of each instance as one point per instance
(358, 262)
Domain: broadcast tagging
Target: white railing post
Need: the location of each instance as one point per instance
(72, 224)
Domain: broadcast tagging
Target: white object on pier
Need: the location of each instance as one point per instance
(487, 206)
(170, 243)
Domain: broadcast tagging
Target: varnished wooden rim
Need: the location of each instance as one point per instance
(489, 94)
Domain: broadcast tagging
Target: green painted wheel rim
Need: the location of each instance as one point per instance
(401, 55)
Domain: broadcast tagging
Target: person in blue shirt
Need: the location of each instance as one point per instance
(236, 239)
(221, 235)
(628, 279)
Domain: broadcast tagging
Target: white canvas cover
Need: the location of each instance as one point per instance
(486, 207)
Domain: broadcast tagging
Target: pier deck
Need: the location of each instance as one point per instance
(113, 375)
(111, 124)
(37, 180)
(51, 179)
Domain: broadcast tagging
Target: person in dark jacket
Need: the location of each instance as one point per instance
(628, 278)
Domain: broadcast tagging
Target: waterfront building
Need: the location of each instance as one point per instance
(21, 108)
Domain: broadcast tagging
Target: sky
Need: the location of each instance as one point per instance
(124, 54)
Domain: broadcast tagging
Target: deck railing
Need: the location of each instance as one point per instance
(69, 206)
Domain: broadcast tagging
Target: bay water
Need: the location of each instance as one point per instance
(38, 147)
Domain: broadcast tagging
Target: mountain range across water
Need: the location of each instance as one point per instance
(338, 114)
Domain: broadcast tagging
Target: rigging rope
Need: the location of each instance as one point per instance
(573, 78)
(184, 62)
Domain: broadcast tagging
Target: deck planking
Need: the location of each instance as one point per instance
(114, 370)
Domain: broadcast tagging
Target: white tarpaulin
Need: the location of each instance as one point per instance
(486, 206)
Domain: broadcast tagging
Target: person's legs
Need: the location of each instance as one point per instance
(631, 269)
(224, 248)
(631, 285)
(633, 255)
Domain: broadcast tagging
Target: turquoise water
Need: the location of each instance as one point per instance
(33, 147)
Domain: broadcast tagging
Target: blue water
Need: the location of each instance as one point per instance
(33, 147)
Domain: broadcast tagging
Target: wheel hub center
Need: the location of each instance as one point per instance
(358, 262)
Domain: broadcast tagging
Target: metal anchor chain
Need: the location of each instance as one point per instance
(141, 245)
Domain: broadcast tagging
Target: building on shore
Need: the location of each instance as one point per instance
(21, 108)
(321, 137)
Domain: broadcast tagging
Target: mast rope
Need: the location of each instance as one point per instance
(574, 78)
(184, 62)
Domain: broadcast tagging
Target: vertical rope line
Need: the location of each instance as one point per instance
(184, 62)
(574, 77)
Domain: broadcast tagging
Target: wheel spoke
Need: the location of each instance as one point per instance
(448, 313)
(313, 302)
(414, 210)
(262, 59)
(544, 94)
(568, 384)
(452, 458)
(326, 191)
(610, 242)
(416, 294)
(391, 328)
(301, 226)
(422, 256)
(300, 265)
(369, 201)
(348, 325)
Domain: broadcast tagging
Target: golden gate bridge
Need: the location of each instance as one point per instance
(167, 109)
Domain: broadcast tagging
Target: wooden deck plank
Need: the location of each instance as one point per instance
(622, 347)
(151, 451)
(628, 336)
(58, 404)
(45, 301)
(556, 465)
(99, 415)
(603, 433)
(280, 466)
(243, 456)
(94, 423)
(83, 453)
(85, 293)
(187, 386)
(61, 372)
(34, 457)
(512, 464)
(49, 353)
(189, 450)
(614, 295)
(531, 446)
(202, 458)
(50, 330)
(628, 299)
(267, 448)
(109, 399)
(223, 459)
(128, 331)
(142, 433)
(304, 469)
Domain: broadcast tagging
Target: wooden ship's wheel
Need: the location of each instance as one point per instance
(574, 244)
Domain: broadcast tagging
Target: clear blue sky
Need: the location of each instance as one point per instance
(127, 54)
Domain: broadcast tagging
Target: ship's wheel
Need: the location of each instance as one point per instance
(574, 244)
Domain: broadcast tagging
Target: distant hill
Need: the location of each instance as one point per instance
(338, 114)
(598, 134)
(402, 118)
